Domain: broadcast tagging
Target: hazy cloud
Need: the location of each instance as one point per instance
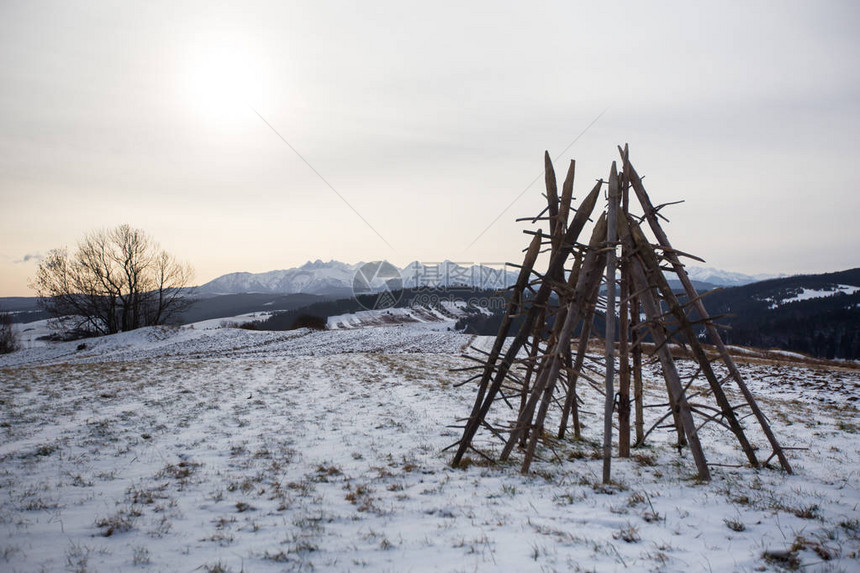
(429, 120)
(28, 257)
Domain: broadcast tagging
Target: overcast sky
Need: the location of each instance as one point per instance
(428, 118)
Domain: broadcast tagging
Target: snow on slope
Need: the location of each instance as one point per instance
(441, 316)
(801, 294)
(807, 294)
(425, 317)
(231, 450)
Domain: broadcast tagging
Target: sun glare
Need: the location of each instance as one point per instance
(220, 81)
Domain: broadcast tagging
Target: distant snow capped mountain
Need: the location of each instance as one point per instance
(718, 277)
(315, 277)
(336, 278)
(450, 274)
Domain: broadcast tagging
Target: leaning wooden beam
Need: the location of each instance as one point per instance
(566, 198)
(522, 429)
(532, 363)
(556, 267)
(588, 275)
(656, 280)
(586, 290)
(594, 273)
(670, 372)
(650, 324)
(713, 334)
(571, 408)
(543, 389)
(513, 309)
(551, 199)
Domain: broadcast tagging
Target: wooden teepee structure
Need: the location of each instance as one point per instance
(536, 367)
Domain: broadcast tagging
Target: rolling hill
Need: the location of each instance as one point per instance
(813, 314)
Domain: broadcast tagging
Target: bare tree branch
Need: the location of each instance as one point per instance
(117, 280)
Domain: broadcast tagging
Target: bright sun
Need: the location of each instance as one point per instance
(219, 82)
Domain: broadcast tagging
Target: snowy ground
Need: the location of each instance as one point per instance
(231, 450)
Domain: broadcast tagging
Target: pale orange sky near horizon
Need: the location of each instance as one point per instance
(428, 119)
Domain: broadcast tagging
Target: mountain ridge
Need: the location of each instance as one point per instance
(814, 314)
(720, 277)
(336, 277)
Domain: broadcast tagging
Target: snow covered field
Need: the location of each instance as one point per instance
(232, 450)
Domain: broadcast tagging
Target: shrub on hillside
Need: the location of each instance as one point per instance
(8, 337)
(310, 321)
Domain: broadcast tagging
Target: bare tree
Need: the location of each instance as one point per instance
(117, 280)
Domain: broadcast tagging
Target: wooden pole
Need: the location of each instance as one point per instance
(636, 341)
(623, 338)
(623, 371)
(609, 339)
